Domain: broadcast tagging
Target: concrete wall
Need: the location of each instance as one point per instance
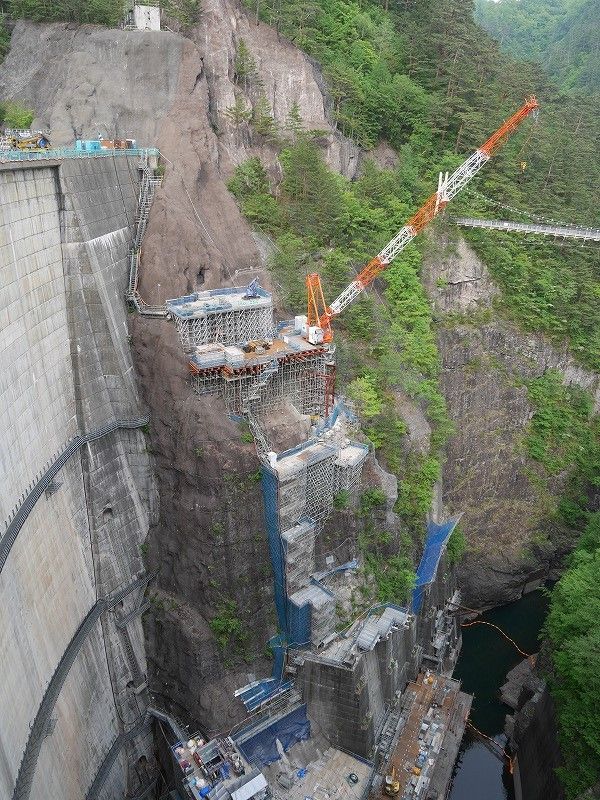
(348, 703)
(65, 367)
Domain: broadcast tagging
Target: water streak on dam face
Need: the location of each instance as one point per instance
(65, 368)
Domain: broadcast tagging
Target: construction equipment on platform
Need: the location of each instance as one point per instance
(392, 784)
(320, 315)
(252, 290)
(17, 139)
(94, 145)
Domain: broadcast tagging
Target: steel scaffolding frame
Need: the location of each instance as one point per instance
(227, 327)
(299, 549)
(319, 489)
(299, 379)
(347, 478)
(292, 497)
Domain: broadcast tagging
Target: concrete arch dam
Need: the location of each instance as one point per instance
(75, 514)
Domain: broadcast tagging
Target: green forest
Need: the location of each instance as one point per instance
(562, 35)
(424, 77)
(573, 628)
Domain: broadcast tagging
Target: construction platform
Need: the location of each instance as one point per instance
(331, 774)
(275, 757)
(235, 350)
(226, 316)
(432, 725)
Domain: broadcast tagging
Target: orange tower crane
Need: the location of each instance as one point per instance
(321, 315)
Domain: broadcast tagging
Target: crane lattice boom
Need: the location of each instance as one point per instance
(448, 188)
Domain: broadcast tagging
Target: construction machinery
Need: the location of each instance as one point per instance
(320, 315)
(31, 141)
(391, 786)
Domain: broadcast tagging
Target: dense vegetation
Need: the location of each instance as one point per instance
(573, 627)
(426, 78)
(99, 12)
(563, 436)
(14, 115)
(423, 76)
(4, 38)
(562, 35)
(321, 222)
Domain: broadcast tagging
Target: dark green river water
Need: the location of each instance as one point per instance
(484, 661)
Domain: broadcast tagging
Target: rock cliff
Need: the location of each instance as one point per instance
(209, 544)
(487, 473)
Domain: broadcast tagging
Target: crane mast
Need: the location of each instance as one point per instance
(448, 187)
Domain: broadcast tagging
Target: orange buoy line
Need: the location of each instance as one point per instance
(498, 747)
(506, 636)
(491, 624)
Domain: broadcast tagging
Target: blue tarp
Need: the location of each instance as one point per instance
(437, 537)
(339, 408)
(256, 693)
(261, 749)
(300, 618)
(269, 488)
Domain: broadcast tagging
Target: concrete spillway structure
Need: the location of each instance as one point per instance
(71, 644)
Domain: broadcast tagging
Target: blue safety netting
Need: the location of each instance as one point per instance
(437, 537)
(299, 623)
(269, 487)
(266, 689)
(258, 692)
(339, 408)
(261, 749)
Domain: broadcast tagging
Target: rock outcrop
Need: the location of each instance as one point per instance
(487, 473)
(532, 732)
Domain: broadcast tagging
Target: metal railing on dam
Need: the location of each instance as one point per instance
(60, 153)
(45, 479)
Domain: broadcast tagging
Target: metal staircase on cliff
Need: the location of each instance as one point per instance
(148, 186)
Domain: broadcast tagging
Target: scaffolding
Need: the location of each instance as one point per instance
(300, 379)
(224, 316)
(299, 554)
(313, 608)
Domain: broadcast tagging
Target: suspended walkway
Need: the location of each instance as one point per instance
(558, 231)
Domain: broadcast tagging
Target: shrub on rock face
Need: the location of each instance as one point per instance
(14, 115)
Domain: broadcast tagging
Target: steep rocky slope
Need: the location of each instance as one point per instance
(162, 89)
(488, 473)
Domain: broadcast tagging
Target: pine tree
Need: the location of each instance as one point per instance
(238, 113)
(262, 119)
(312, 195)
(294, 123)
(244, 66)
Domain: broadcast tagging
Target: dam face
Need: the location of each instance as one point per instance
(72, 577)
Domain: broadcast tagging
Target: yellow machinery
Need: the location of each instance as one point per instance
(35, 142)
(391, 786)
